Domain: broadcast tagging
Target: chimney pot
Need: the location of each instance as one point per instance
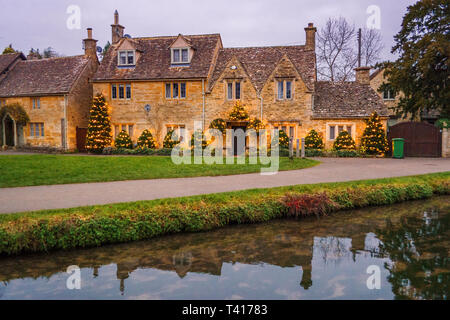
(89, 33)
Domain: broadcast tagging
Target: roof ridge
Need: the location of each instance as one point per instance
(267, 47)
(55, 58)
(176, 36)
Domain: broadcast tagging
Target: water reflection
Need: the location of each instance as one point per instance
(308, 259)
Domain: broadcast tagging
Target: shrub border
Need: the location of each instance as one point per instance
(95, 226)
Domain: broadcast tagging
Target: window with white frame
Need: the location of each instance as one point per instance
(388, 94)
(284, 90)
(334, 130)
(180, 55)
(234, 90)
(127, 58)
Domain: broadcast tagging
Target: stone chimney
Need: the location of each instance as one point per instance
(117, 29)
(363, 75)
(90, 45)
(310, 36)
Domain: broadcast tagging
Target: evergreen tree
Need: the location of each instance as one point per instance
(146, 140)
(422, 71)
(169, 143)
(283, 141)
(99, 128)
(344, 141)
(374, 138)
(238, 113)
(9, 49)
(199, 138)
(313, 140)
(123, 141)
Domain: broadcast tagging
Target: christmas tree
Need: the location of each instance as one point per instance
(169, 143)
(238, 113)
(374, 140)
(313, 140)
(146, 140)
(283, 141)
(344, 141)
(198, 138)
(99, 128)
(123, 141)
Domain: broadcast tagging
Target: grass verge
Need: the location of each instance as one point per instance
(34, 170)
(99, 225)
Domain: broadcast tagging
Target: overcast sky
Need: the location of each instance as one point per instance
(43, 23)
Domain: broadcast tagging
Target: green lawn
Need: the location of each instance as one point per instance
(34, 170)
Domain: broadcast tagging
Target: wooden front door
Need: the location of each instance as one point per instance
(9, 132)
(421, 139)
(81, 139)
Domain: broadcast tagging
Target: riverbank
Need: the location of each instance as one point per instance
(99, 225)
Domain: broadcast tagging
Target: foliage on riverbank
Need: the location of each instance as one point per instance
(100, 225)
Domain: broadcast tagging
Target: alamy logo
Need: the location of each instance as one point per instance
(74, 20)
(374, 281)
(74, 280)
(374, 19)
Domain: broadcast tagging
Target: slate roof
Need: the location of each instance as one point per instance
(335, 100)
(260, 62)
(155, 61)
(43, 77)
(7, 59)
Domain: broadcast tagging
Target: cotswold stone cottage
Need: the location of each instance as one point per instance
(55, 93)
(163, 83)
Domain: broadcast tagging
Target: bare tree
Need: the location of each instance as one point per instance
(337, 49)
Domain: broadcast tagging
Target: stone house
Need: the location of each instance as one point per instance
(55, 93)
(163, 83)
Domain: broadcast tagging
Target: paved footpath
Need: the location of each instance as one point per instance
(331, 170)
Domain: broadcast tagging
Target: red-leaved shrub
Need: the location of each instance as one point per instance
(304, 205)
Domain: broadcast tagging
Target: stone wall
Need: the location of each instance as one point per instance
(446, 143)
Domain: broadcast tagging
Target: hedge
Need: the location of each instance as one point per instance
(100, 225)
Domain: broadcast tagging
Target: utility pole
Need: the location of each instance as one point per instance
(359, 47)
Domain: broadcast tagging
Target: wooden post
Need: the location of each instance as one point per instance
(298, 148)
(303, 148)
(291, 147)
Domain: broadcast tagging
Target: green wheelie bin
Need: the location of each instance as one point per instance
(398, 148)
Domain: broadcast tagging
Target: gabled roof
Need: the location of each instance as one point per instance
(43, 77)
(6, 60)
(155, 61)
(334, 100)
(375, 73)
(260, 62)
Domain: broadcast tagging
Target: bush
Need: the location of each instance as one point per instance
(373, 141)
(219, 124)
(283, 141)
(123, 141)
(314, 153)
(169, 143)
(238, 112)
(256, 125)
(146, 140)
(198, 138)
(313, 141)
(344, 142)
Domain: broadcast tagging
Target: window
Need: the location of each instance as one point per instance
(36, 103)
(284, 90)
(335, 129)
(180, 55)
(280, 90)
(114, 91)
(127, 58)
(176, 90)
(182, 90)
(230, 91)
(332, 133)
(288, 89)
(237, 86)
(128, 128)
(2, 103)
(121, 91)
(234, 90)
(388, 95)
(168, 91)
(128, 86)
(36, 130)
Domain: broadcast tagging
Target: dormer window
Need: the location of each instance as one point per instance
(180, 55)
(127, 58)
